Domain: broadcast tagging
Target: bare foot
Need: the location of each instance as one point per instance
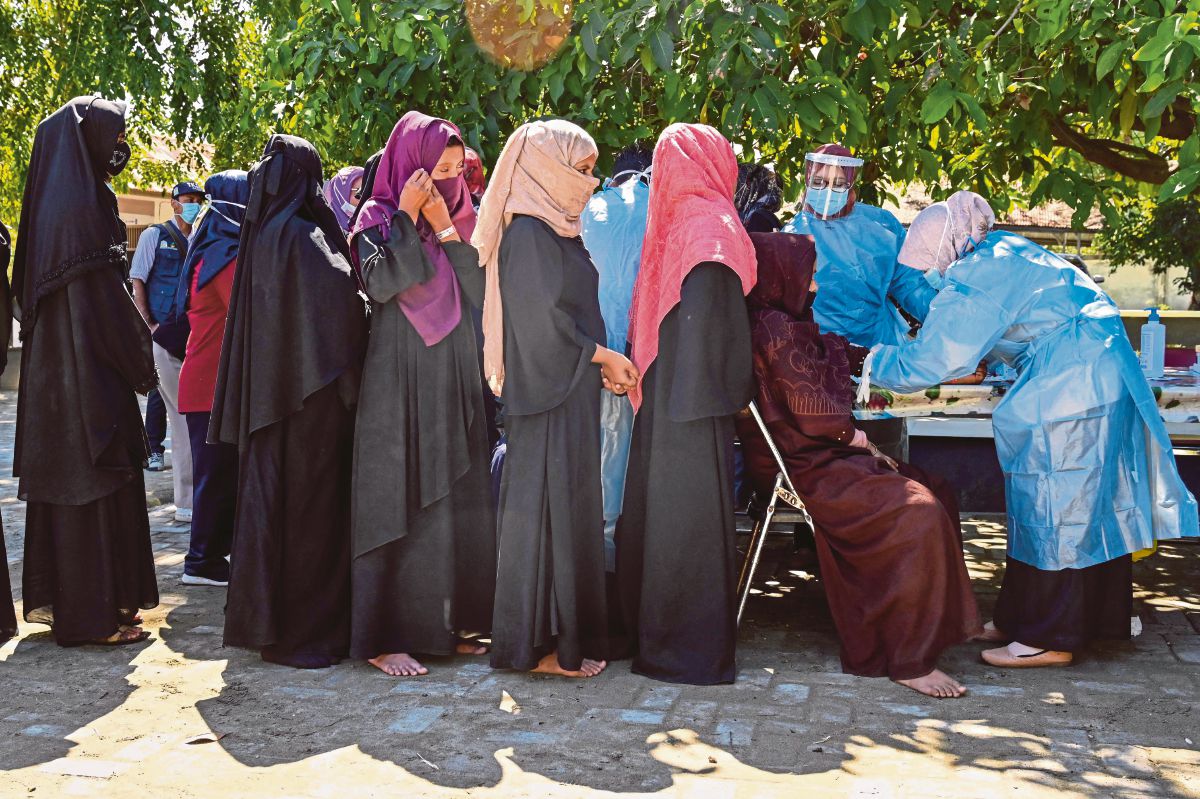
(549, 665)
(937, 684)
(466, 647)
(398, 665)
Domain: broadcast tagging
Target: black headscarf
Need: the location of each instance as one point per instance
(69, 222)
(758, 198)
(296, 321)
(367, 187)
(215, 244)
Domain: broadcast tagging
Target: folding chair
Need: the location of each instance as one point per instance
(796, 513)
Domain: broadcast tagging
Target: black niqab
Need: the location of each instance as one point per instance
(296, 322)
(69, 221)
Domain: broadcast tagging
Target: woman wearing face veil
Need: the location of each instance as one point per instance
(889, 546)
(691, 340)
(286, 387)
(424, 539)
(80, 444)
(542, 328)
(8, 616)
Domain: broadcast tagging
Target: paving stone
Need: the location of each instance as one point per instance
(791, 693)
(416, 720)
(660, 697)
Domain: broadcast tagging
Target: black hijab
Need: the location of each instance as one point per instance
(69, 222)
(296, 321)
(367, 187)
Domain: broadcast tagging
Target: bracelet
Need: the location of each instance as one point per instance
(447, 233)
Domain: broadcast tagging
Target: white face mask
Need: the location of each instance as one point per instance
(348, 208)
(212, 204)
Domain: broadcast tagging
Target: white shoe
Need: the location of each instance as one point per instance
(156, 462)
(183, 515)
(195, 579)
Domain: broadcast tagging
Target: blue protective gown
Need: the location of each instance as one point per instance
(614, 225)
(857, 272)
(1089, 473)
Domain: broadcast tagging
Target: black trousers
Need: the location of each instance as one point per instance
(1064, 610)
(156, 421)
(214, 498)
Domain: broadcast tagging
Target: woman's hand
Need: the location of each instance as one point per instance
(860, 441)
(415, 194)
(435, 211)
(617, 372)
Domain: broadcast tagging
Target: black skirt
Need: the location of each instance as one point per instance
(289, 584)
(550, 589)
(89, 568)
(1064, 610)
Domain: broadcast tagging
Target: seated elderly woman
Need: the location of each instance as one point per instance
(888, 537)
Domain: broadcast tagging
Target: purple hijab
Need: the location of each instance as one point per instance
(417, 142)
(337, 193)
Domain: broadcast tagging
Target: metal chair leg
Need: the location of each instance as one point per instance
(758, 538)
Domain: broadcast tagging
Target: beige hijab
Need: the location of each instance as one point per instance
(535, 176)
(946, 231)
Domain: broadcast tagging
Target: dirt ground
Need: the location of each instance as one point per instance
(181, 716)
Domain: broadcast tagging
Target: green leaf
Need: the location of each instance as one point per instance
(439, 37)
(647, 60)
(589, 35)
(346, 9)
(1155, 80)
(1180, 183)
(1128, 111)
(662, 50)
(937, 104)
(366, 13)
(1108, 59)
(1163, 38)
(1161, 99)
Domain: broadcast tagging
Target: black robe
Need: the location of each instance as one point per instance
(80, 445)
(675, 538)
(550, 591)
(285, 391)
(424, 542)
(8, 616)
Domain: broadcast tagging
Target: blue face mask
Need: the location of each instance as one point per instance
(189, 212)
(826, 202)
(969, 247)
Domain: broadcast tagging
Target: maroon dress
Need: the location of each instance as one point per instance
(888, 541)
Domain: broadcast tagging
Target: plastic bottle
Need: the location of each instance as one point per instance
(1154, 345)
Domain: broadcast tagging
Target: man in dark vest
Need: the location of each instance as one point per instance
(155, 271)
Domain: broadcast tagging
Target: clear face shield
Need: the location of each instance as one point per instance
(827, 189)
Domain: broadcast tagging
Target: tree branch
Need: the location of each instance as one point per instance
(1144, 165)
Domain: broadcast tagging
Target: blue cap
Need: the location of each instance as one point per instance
(186, 187)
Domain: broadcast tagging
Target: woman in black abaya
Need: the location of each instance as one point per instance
(286, 388)
(542, 328)
(8, 616)
(690, 337)
(424, 568)
(80, 444)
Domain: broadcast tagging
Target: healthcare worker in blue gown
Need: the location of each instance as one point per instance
(861, 282)
(1089, 473)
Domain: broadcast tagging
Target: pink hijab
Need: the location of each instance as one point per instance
(692, 220)
(417, 142)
